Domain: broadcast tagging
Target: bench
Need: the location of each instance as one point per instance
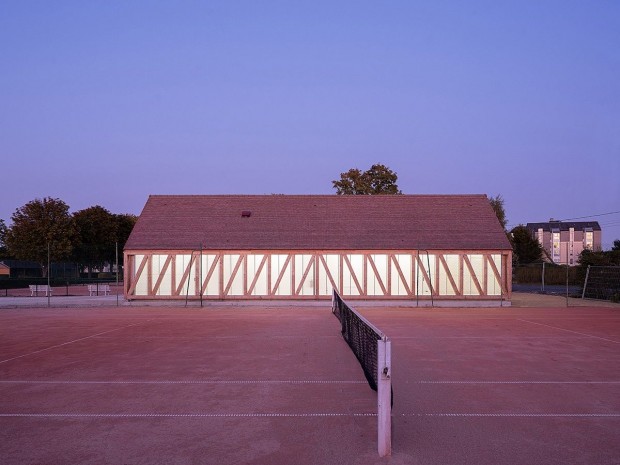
(36, 288)
(93, 288)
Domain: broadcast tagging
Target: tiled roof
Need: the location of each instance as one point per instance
(317, 222)
(564, 225)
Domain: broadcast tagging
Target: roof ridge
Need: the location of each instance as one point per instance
(318, 195)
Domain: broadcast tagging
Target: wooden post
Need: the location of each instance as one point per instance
(384, 397)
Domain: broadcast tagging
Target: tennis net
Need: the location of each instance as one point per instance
(372, 349)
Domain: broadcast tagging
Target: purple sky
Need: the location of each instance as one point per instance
(106, 102)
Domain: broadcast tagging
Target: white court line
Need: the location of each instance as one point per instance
(516, 415)
(69, 342)
(302, 415)
(516, 382)
(241, 336)
(291, 381)
(182, 415)
(499, 338)
(570, 331)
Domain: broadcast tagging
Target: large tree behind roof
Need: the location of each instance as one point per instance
(526, 248)
(97, 229)
(497, 203)
(39, 223)
(124, 225)
(379, 179)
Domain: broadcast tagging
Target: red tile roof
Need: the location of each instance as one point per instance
(317, 222)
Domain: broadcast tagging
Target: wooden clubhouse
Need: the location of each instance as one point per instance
(439, 249)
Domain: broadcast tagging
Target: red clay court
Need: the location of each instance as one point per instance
(276, 385)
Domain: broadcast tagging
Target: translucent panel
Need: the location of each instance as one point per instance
(142, 280)
(333, 270)
(477, 263)
(452, 270)
(302, 262)
(188, 287)
(348, 283)
(254, 269)
(233, 283)
(398, 282)
(213, 284)
(493, 284)
(378, 277)
(159, 262)
(427, 265)
(278, 269)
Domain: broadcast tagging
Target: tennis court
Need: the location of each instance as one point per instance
(264, 385)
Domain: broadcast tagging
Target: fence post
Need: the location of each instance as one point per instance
(384, 397)
(543, 277)
(585, 283)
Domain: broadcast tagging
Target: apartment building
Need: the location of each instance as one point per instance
(564, 241)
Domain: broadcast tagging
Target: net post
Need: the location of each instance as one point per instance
(384, 397)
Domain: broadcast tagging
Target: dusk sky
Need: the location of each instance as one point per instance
(106, 102)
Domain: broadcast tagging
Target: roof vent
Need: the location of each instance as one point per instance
(246, 213)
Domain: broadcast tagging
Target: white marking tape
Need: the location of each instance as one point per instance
(526, 415)
(292, 381)
(571, 331)
(517, 382)
(67, 343)
(183, 415)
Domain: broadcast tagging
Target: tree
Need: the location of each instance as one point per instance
(601, 258)
(97, 232)
(124, 225)
(594, 258)
(3, 231)
(379, 179)
(40, 224)
(526, 249)
(497, 203)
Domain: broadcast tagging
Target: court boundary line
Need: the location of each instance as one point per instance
(516, 382)
(515, 415)
(182, 415)
(165, 382)
(305, 415)
(71, 342)
(570, 331)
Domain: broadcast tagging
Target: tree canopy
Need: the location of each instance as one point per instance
(97, 232)
(3, 232)
(124, 225)
(497, 203)
(39, 223)
(601, 257)
(378, 179)
(525, 247)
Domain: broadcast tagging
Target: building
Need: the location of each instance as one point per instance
(564, 241)
(5, 270)
(22, 268)
(415, 247)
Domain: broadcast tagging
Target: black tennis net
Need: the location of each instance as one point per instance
(362, 337)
